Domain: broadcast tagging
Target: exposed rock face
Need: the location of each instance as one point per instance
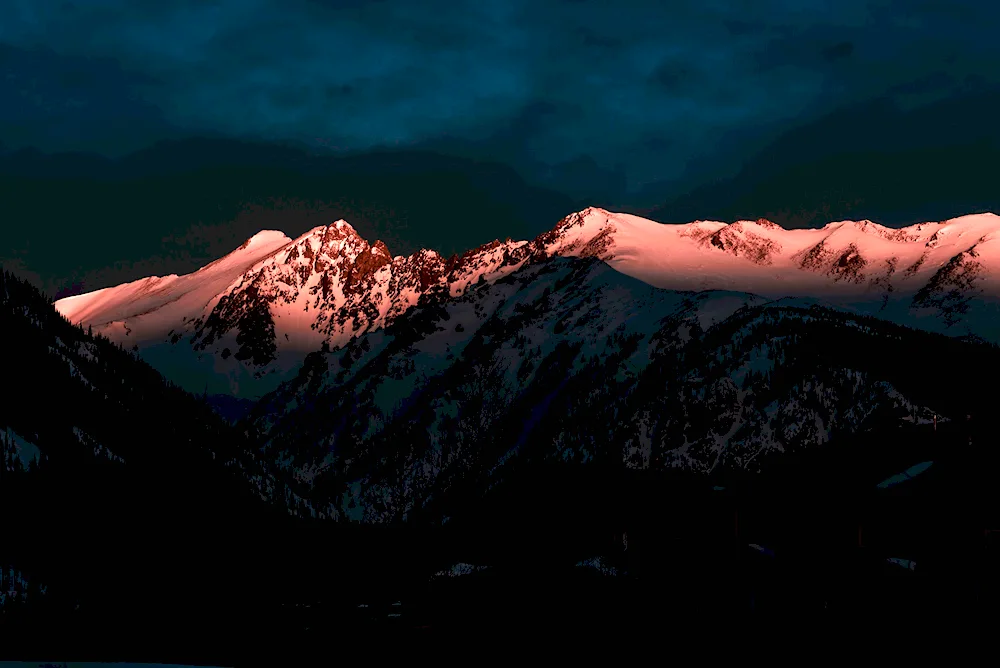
(849, 265)
(953, 287)
(740, 241)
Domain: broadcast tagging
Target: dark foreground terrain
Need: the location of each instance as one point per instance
(813, 543)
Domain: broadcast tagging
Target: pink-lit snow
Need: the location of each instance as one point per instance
(330, 284)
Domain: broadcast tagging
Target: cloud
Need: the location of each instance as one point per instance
(85, 219)
(653, 85)
(61, 103)
(838, 51)
(881, 161)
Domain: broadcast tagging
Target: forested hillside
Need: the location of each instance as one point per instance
(109, 475)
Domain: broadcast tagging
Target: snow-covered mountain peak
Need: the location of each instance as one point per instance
(275, 297)
(332, 239)
(168, 297)
(335, 231)
(973, 219)
(592, 217)
(265, 238)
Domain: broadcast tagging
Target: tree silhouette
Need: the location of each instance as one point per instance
(484, 399)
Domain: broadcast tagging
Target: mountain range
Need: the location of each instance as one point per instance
(390, 388)
(505, 411)
(244, 323)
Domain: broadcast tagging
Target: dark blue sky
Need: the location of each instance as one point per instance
(623, 103)
(646, 86)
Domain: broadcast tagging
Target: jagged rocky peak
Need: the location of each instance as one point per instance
(424, 268)
(339, 229)
(586, 233)
(327, 247)
(592, 219)
(336, 238)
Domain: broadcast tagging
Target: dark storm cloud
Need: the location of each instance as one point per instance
(61, 103)
(838, 51)
(893, 163)
(655, 86)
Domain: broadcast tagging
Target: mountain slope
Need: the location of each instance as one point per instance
(109, 437)
(133, 534)
(245, 323)
(495, 346)
(75, 390)
(568, 362)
